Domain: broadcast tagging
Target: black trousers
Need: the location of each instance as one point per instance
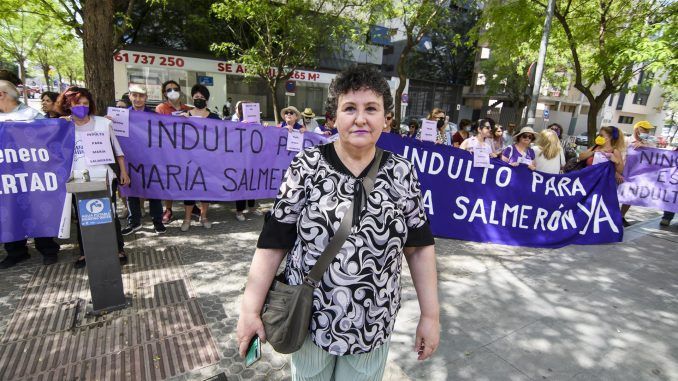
(45, 245)
(134, 204)
(240, 204)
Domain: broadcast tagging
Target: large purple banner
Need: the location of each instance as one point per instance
(35, 163)
(179, 158)
(650, 179)
(511, 205)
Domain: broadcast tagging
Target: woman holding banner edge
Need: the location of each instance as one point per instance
(319, 187)
(609, 145)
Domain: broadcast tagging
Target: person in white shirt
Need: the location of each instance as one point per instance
(307, 119)
(10, 106)
(77, 103)
(549, 155)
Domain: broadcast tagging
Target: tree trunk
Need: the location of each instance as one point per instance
(402, 78)
(273, 88)
(592, 122)
(22, 72)
(98, 49)
(45, 72)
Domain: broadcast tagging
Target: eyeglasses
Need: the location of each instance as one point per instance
(527, 136)
(170, 89)
(289, 113)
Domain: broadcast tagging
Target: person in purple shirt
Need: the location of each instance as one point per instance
(137, 94)
(520, 152)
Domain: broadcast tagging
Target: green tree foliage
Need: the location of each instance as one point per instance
(275, 38)
(20, 33)
(420, 18)
(603, 44)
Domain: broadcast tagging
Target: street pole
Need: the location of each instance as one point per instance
(540, 64)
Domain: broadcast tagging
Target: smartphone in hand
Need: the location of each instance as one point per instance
(253, 352)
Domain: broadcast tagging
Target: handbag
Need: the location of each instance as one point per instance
(287, 310)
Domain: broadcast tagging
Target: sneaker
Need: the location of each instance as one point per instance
(167, 216)
(185, 225)
(665, 222)
(12, 261)
(159, 227)
(240, 217)
(257, 212)
(130, 229)
(49, 259)
(206, 223)
(195, 212)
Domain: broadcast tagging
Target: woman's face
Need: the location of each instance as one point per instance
(290, 117)
(47, 104)
(607, 136)
(499, 132)
(360, 117)
(485, 130)
(526, 138)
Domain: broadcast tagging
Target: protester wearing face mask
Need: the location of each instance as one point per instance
(462, 134)
(77, 103)
(641, 138)
(483, 138)
(200, 95)
(171, 92)
(438, 116)
(610, 144)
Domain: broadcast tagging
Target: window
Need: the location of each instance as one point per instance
(644, 88)
(484, 53)
(625, 119)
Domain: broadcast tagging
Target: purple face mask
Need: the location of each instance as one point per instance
(80, 112)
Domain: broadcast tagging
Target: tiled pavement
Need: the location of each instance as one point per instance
(507, 313)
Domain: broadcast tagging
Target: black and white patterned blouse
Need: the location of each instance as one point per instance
(354, 308)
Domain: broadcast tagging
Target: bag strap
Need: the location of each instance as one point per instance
(337, 241)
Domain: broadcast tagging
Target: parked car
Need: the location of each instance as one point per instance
(31, 91)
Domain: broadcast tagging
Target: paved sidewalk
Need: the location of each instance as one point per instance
(606, 312)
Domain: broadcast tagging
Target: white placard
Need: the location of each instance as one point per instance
(97, 147)
(599, 157)
(295, 141)
(524, 160)
(429, 130)
(120, 119)
(481, 157)
(250, 113)
(179, 112)
(333, 138)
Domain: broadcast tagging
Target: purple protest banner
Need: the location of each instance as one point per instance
(508, 205)
(650, 179)
(35, 164)
(178, 158)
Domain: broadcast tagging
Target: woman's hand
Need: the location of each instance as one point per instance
(428, 337)
(302, 129)
(493, 154)
(124, 178)
(618, 178)
(249, 325)
(289, 128)
(514, 164)
(638, 144)
(532, 167)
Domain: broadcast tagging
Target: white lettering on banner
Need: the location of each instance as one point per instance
(208, 65)
(434, 164)
(516, 216)
(17, 183)
(427, 200)
(598, 214)
(564, 187)
(24, 155)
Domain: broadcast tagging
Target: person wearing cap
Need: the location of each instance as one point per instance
(308, 121)
(137, 94)
(521, 152)
(641, 138)
(290, 116)
(138, 97)
(12, 109)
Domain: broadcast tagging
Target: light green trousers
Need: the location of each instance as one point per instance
(311, 363)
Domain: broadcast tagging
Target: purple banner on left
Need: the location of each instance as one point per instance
(35, 164)
(179, 158)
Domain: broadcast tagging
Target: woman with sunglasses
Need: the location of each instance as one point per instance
(438, 116)
(520, 152)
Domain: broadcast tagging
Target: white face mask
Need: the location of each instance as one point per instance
(173, 95)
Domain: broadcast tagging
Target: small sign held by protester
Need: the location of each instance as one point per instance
(295, 141)
(97, 147)
(250, 112)
(429, 130)
(120, 118)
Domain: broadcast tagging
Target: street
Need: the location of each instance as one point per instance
(507, 313)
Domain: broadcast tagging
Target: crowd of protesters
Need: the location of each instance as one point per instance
(541, 151)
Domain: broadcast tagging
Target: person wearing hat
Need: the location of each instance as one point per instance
(641, 138)
(290, 116)
(138, 97)
(308, 121)
(521, 152)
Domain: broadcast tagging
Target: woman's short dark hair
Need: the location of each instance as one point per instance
(49, 94)
(163, 88)
(480, 123)
(559, 127)
(464, 122)
(357, 78)
(72, 95)
(202, 89)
